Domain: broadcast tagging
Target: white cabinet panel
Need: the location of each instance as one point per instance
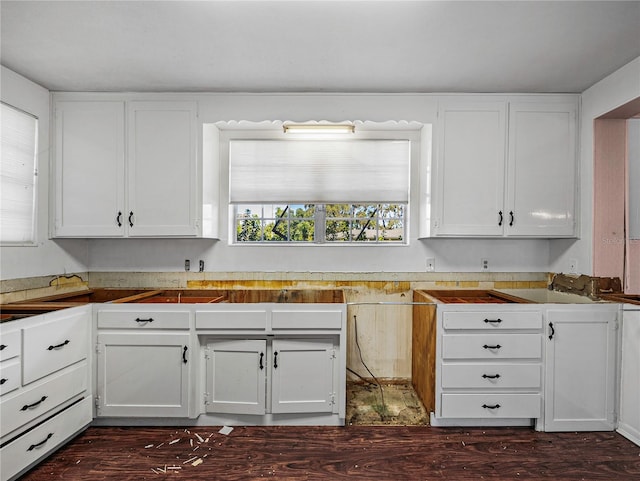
(89, 169)
(302, 376)
(542, 163)
(493, 321)
(491, 346)
(147, 319)
(629, 424)
(236, 381)
(487, 406)
(144, 374)
(9, 376)
(580, 369)
(470, 168)
(162, 169)
(10, 345)
(491, 376)
(255, 319)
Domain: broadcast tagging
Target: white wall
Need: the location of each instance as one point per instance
(613, 91)
(633, 152)
(452, 255)
(46, 257)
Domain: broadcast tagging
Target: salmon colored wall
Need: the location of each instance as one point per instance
(609, 197)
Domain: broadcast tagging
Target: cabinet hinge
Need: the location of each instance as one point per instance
(332, 399)
(98, 348)
(206, 398)
(97, 402)
(333, 354)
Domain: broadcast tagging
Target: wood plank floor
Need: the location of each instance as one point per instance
(395, 453)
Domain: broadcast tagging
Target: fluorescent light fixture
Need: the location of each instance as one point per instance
(319, 129)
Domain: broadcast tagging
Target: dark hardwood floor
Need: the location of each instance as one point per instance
(354, 452)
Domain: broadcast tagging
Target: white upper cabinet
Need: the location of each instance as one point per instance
(505, 168)
(126, 169)
(89, 169)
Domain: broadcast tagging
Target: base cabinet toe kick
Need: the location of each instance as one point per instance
(526, 365)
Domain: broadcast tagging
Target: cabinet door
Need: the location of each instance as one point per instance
(236, 376)
(302, 379)
(541, 170)
(470, 169)
(143, 374)
(89, 169)
(580, 370)
(629, 424)
(162, 169)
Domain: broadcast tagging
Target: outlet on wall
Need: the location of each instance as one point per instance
(573, 266)
(431, 264)
(484, 264)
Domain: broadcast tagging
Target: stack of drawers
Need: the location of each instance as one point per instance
(491, 364)
(45, 385)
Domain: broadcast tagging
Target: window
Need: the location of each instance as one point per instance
(18, 149)
(319, 191)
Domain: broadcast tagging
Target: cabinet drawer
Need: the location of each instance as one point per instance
(232, 320)
(491, 376)
(491, 346)
(143, 319)
(306, 319)
(9, 376)
(492, 320)
(491, 405)
(53, 345)
(33, 402)
(42, 440)
(10, 345)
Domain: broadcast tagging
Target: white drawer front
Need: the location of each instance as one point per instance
(9, 376)
(492, 320)
(9, 345)
(143, 319)
(491, 346)
(30, 403)
(51, 346)
(42, 440)
(232, 319)
(306, 319)
(491, 405)
(491, 376)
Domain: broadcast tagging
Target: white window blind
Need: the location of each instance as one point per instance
(18, 146)
(319, 171)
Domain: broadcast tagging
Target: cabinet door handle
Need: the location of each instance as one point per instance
(261, 364)
(37, 445)
(29, 406)
(3, 347)
(493, 321)
(184, 354)
(138, 319)
(275, 360)
(119, 219)
(491, 376)
(131, 219)
(497, 346)
(58, 346)
(511, 218)
(487, 406)
(553, 331)
(501, 218)
(3, 380)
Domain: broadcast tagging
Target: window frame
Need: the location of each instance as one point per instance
(410, 131)
(33, 241)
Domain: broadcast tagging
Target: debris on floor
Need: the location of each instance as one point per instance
(398, 404)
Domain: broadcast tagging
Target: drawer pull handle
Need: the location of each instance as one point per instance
(37, 445)
(119, 219)
(261, 363)
(58, 346)
(492, 321)
(184, 354)
(3, 380)
(144, 320)
(275, 360)
(491, 376)
(29, 406)
(3, 346)
(553, 331)
(131, 219)
(487, 406)
(512, 218)
(497, 346)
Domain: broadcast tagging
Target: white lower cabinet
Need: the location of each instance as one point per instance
(143, 374)
(629, 423)
(278, 376)
(45, 386)
(580, 368)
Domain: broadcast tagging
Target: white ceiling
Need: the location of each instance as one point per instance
(318, 46)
